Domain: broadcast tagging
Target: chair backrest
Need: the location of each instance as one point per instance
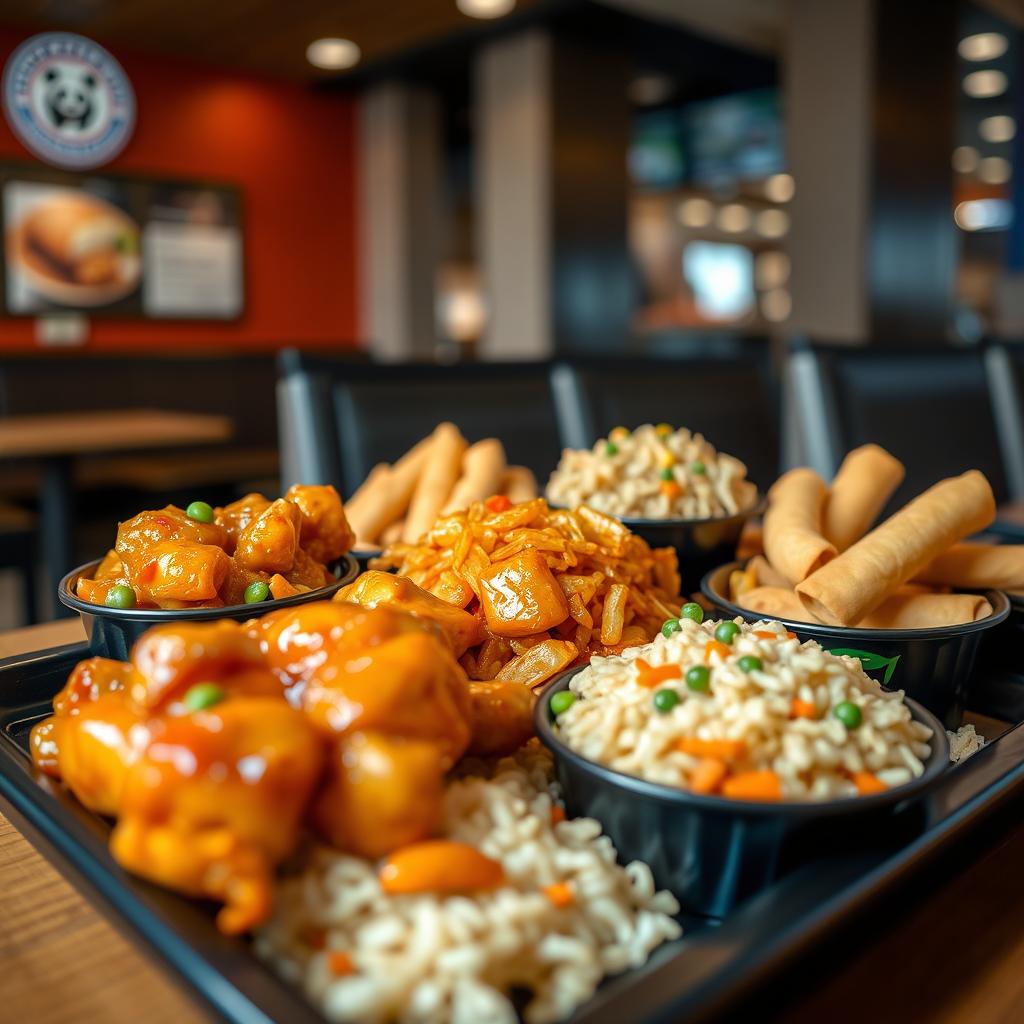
(338, 419)
(729, 396)
(932, 408)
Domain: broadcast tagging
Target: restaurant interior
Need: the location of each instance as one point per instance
(693, 264)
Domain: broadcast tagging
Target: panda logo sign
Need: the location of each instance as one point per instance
(68, 100)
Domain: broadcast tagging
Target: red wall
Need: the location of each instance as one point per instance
(290, 150)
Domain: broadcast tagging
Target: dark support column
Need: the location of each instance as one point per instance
(912, 241)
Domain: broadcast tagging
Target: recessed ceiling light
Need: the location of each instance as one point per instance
(333, 54)
(650, 90)
(776, 305)
(983, 214)
(779, 188)
(734, 218)
(1000, 128)
(772, 223)
(994, 170)
(965, 159)
(696, 212)
(485, 8)
(982, 85)
(983, 46)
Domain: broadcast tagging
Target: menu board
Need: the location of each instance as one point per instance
(119, 246)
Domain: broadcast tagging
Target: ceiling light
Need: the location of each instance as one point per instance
(734, 218)
(485, 8)
(994, 170)
(695, 213)
(333, 54)
(983, 46)
(997, 129)
(965, 159)
(771, 269)
(772, 223)
(982, 85)
(779, 188)
(776, 305)
(650, 90)
(983, 214)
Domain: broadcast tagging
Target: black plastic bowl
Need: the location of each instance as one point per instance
(934, 666)
(713, 852)
(113, 631)
(701, 544)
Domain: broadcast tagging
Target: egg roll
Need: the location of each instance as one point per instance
(765, 575)
(518, 484)
(441, 470)
(793, 542)
(751, 540)
(977, 567)
(925, 611)
(865, 482)
(774, 603)
(483, 466)
(384, 495)
(857, 581)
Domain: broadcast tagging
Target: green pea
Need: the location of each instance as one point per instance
(725, 632)
(200, 511)
(692, 611)
(665, 701)
(561, 702)
(848, 713)
(202, 696)
(698, 678)
(257, 591)
(748, 663)
(611, 448)
(667, 474)
(698, 467)
(669, 627)
(120, 596)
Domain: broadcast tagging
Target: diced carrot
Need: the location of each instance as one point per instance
(725, 750)
(650, 676)
(716, 647)
(708, 775)
(557, 814)
(340, 963)
(670, 489)
(438, 865)
(766, 634)
(498, 503)
(280, 587)
(868, 783)
(790, 634)
(560, 894)
(802, 709)
(761, 785)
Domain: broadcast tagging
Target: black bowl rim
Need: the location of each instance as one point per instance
(999, 601)
(69, 600)
(938, 762)
(755, 509)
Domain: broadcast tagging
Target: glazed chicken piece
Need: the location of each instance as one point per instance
(169, 557)
(374, 589)
(234, 518)
(326, 533)
(501, 717)
(269, 542)
(170, 659)
(520, 596)
(215, 801)
(382, 792)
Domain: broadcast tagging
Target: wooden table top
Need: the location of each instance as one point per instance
(81, 433)
(949, 949)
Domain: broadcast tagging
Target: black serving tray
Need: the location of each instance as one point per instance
(714, 963)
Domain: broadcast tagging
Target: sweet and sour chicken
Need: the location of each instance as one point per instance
(206, 557)
(218, 743)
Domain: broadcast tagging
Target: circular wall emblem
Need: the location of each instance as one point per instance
(68, 100)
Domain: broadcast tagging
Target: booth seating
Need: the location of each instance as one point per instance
(338, 419)
(934, 408)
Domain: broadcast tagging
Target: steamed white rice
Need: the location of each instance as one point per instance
(424, 958)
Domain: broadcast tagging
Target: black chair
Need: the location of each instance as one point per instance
(932, 408)
(728, 394)
(338, 418)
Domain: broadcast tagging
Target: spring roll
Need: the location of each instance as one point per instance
(977, 567)
(440, 472)
(751, 540)
(856, 582)
(792, 525)
(392, 533)
(765, 575)
(385, 494)
(518, 484)
(924, 611)
(774, 603)
(865, 482)
(483, 466)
